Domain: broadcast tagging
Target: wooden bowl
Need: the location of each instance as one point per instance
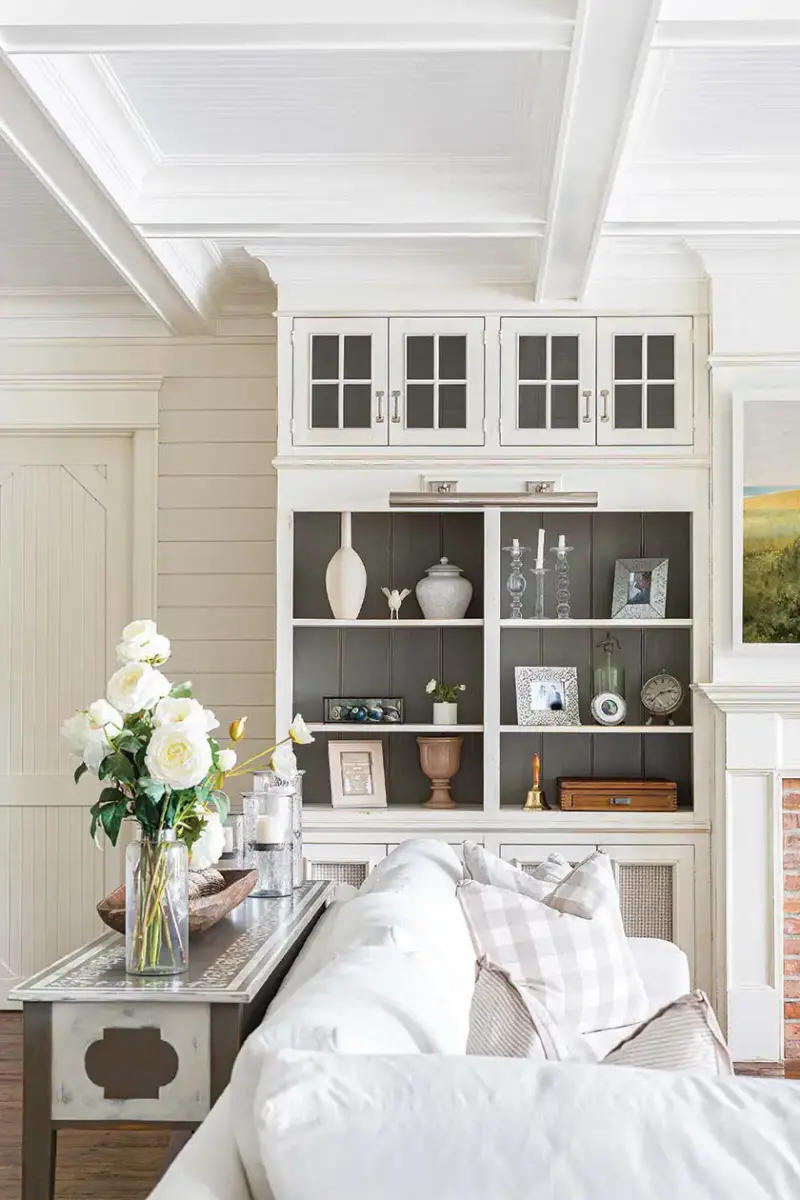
(204, 912)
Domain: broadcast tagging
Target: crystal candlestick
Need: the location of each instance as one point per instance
(538, 597)
(516, 582)
(562, 581)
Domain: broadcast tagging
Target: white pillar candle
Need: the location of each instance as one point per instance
(270, 829)
(540, 551)
(562, 542)
(227, 834)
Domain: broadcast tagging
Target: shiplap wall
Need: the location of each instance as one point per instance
(216, 582)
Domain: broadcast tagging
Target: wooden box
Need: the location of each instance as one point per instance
(617, 795)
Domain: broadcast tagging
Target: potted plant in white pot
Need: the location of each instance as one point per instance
(445, 701)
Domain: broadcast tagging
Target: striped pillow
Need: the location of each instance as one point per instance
(682, 1036)
(510, 1022)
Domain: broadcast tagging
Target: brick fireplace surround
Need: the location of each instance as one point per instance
(791, 917)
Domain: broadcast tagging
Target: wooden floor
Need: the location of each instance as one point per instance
(107, 1165)
(103, 1165)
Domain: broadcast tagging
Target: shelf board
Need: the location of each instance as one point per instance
(398, 727)
(596, 623)
(596, 729)
(380, 623)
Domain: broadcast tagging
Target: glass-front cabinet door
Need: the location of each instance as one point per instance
(547, 374)
(340, 381)
(644, 381)
(436, 381)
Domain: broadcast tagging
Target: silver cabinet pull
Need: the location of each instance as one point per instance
(587, 416)
(396, 407)
(379, 414)
(604, 414)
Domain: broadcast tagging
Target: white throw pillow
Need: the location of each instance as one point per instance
(484, 867)
(581, 970)
(426, 1127)
(506, 1021)
(683, 1036)
(580, 890)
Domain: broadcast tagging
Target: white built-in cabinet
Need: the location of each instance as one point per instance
(398, 381)
(605, 381)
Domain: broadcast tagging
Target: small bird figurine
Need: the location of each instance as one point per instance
(395, 599)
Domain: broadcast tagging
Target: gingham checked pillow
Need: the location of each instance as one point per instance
(484, 867)
(581, 970)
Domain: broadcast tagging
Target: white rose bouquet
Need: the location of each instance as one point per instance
(151, 743)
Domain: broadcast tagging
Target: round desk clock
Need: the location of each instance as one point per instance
(662, 695)
(608, 708)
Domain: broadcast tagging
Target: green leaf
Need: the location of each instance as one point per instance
(181, 691)
(118, 766)
(203, 789)
(112, 816)
(152, 788)
(80, 772)
(127, 740)
(222, 803)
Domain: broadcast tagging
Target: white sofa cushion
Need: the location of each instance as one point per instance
(664, 970)
(581, 970)
(432, 1128)
(683, 1036)
(484, 867)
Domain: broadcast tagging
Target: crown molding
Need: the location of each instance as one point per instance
(780, 698)
(42, 313)
(727, 34)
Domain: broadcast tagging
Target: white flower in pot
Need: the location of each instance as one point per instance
(445, 701)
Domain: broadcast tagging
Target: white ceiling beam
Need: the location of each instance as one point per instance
(48, 26)
(608, 60)
(726, 35)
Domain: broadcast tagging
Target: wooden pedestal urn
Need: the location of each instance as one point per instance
(440, 759)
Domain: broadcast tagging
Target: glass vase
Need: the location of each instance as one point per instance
(157, 906)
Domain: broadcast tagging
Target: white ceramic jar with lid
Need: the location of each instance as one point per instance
(444, 594)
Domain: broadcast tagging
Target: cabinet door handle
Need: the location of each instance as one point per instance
(379, 412)
(396, 407)
(604, 414)
(587, 416)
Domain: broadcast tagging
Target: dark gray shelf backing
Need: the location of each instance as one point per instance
(643, 653)
(396, 549)
(388, 662)
(405, 782)
(598, 540)
(599, 756)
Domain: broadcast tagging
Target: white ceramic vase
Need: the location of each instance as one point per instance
(443, 594)
(346, 577)
(445, 714)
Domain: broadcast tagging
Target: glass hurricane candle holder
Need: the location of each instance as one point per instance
(268, 833)
(233, 851)
(263, 780)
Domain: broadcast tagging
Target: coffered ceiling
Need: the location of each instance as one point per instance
(534, 145)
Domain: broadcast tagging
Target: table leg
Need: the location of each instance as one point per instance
(38, 1134)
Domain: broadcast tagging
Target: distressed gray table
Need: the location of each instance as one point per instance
(105, 1048)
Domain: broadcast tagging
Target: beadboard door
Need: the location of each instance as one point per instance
(65, 588)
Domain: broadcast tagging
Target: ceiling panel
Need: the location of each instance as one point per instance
(225, 104)
(725, 103)
(40, 246)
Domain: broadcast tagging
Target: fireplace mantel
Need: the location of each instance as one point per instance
(783, 699)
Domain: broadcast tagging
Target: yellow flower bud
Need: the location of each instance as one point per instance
(236, 729)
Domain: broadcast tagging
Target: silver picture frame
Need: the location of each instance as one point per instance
(358, 778)
(540, 688)
(640, 589)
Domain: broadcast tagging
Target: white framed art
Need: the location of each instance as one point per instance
(547, 695)
(640, 589)
(358, 779)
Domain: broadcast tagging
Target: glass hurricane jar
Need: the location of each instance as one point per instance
(157, 906)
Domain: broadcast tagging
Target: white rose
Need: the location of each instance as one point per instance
(283, 761)
(138, 631)
(211, 721)
(180, 711)
(104, 716)
(226, 760)
(135, 687)
(299, 731)
(430, 686)
(96, 749)
(94, 726)
(155, 648)
(76, 731)
(208, 848)
(178, 756)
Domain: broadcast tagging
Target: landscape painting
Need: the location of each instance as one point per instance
(771, 564)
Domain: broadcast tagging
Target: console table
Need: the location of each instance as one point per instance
(105, 1048)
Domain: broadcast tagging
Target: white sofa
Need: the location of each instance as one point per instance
(357, 1084)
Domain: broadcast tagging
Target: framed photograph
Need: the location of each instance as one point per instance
(766, 523)
(640, 589)
(338, 710)
(547, 696)
(357, 775)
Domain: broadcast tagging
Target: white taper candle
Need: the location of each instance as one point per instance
(540, 550)
(562, 542)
